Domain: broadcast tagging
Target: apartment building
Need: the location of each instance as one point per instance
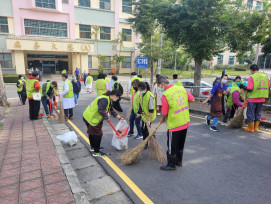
(53, 35)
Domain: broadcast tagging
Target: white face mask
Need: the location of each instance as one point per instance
(22, 78)
(224, 81)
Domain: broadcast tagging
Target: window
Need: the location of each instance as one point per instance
(127, 6)
(258, 5)
(127, 34)
(89, 62)
(105, 4)
(249, 4)
(5, 60)
(47, 28)
(107, 63)
(85, 31)
(127, 63)
(231, 59)
(3, 25)
(84, 3)
(51, 4)
(220, 59)
(105, 33)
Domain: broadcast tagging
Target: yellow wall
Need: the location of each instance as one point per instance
(127, 43)
(123, 15)
(19, 62)
(11, 25)
(76, 2)
(77, 31)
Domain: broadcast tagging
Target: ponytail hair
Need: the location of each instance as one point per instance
(144, 85)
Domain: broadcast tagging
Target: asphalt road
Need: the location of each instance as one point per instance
(230, 166)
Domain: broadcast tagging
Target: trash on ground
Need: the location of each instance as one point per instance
(69, 138)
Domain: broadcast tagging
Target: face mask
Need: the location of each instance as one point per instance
(161, 89)
(224, 81)
(238, 83)
(22, 77)
(114, 100)
(142, 92)
(73, 78)
(135, 88)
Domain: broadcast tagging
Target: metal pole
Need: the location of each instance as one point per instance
(159, 59)
(131, 62)
(175, 62)
(264, 64)
(145, 75)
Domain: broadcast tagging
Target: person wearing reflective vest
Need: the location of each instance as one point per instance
(258, 90)
(234, 101)
(101, 85)
(88, 83)
(21, 89)
(116, 86)
(64, 71)
(130, 87)
(33, 85)
(175, 111)
(94, 115)
(49, 89)
(107, 80)
(135, 117)
(147, 106)
(176, 81)
(68, 97)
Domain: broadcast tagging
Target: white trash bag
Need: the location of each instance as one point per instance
(69, 138)
(121, 142)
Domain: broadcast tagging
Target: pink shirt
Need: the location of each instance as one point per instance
(165, 108)
(250, 87)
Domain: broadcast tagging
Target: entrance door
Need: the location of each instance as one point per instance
(49, 67)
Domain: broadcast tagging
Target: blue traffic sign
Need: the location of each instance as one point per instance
(142, 62)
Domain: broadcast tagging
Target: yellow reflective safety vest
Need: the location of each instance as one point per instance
(30, 87)
(91, 114)
(144, 101)
(135, 102)
(101, 87)
(70, 92)
(89, 80)
(260, 86)
(178, 113)
(20, 89)
(132, 88)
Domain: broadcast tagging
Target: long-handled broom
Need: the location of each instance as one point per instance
(132, 155)
(238, 120)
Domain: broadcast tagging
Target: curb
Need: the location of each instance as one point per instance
(79, 193)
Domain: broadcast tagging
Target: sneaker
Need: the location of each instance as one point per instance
(207, 120)
(76, 104)
(92, 149)
(214, 129)
(224, 124)
(158, 113)
(138, 137)
(130, 134)
(168, 168)
(179, 164)
(98, 154)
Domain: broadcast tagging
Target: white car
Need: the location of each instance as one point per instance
(205, 88)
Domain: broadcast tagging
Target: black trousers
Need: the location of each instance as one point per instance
(116, 106)
(175, 143)
(22, 96)
(68, 112)
(34, 109)
(144, 130)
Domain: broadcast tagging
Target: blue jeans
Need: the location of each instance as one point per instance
(76, 96)
(45, 103)
(215, 120)
(254, 111)
(137, 122)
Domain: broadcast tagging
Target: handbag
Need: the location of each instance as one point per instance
(36, 96)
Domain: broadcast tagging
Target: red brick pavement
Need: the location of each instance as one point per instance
(30, 171)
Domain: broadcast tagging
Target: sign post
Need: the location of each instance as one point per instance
(142, 63)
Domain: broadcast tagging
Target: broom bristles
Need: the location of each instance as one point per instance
(132, 155)
(238, 120)
(155, 151)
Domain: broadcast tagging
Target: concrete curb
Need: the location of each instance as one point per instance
(79, 193)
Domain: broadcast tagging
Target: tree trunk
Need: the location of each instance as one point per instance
(3, 96)
(257, 54)
(151, 65)
(197, 76)
(118, 68)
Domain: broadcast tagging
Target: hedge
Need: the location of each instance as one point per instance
(244, 67)
(13, 78)
(240, 69)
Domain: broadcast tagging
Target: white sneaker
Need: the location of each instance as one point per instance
(158, 113)
(224, 124)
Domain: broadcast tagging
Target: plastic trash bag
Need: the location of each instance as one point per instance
(69, 138)
(121, 142)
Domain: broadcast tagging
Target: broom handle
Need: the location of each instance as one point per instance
(150, 135)
(114, 128)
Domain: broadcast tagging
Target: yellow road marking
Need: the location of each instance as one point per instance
(220, 122)
(142, 196)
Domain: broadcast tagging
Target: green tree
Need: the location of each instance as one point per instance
(117, 58)
(144, 23)
(97, 31)
(101, 59)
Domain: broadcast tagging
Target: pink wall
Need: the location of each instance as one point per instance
(25, 9)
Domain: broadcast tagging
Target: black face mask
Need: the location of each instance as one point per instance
(135, 88)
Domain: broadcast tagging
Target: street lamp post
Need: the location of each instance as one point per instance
(175, 60)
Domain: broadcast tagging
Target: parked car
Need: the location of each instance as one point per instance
(204, 90)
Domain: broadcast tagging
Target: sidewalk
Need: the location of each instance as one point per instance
(30, 171)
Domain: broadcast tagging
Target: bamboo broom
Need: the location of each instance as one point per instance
(132, 155)
(238, 120)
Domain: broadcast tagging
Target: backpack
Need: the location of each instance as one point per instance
(120, 89)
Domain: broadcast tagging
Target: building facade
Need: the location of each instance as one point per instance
(53, 35)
